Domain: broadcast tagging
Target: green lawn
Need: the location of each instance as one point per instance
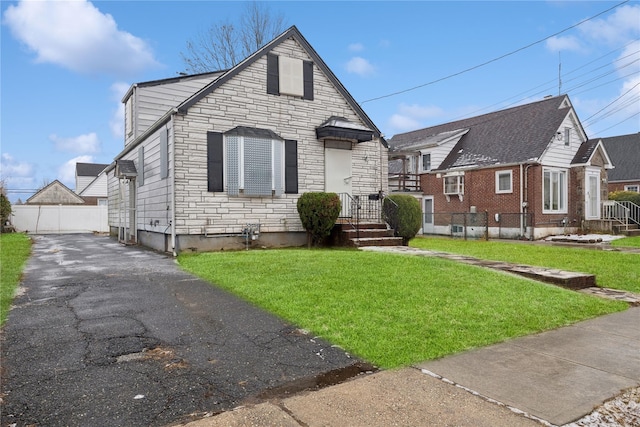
(14, 251)
(390, 309)
(613, 269)
(633, 242)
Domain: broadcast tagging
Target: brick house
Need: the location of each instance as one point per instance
(530, 171)
(217, 160)
(624, 151)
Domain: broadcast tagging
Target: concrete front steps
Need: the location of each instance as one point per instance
(629, 230)
(367, 234)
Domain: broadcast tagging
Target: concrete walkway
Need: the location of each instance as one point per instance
(552, 378)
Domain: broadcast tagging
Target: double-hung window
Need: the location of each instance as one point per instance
(554, 190)
(426, 162)
(454, 184)
(251, 162)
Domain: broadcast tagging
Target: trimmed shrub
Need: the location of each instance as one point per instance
(5, 209)
(625, 196)
(318, 213)
(403, 213)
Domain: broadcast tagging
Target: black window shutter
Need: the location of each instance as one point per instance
(215, 175)
(291, 166)
(307, 75)
(273, 78)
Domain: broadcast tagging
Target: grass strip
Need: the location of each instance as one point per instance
(629, 242)
(394, 310)
(613, 269)
(14, 251)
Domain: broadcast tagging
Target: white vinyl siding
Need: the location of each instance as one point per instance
(153, 101)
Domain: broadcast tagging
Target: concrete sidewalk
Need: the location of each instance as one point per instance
(551, 378)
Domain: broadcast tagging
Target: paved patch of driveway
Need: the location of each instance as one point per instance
(107, 335)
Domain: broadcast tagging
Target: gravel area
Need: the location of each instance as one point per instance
(623, 410)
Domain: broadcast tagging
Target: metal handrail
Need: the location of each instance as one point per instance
(615, 211)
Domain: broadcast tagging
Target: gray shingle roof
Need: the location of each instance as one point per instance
(624, 152)
(89, 169)
(585, 151)
(514, 135)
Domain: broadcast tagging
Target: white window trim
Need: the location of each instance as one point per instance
(422, 161)
(632, 187)
(564, 189)
(503, 172)
(459, 185)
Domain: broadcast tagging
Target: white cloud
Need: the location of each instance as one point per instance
(618, 27)
(116, 122)
(67, 172)
(87, 143)
(77, 36)
(14, 169)
(356, 47)
(558, 44)
(400, 123)
(412, 116)
(420, 111)
(361, 66)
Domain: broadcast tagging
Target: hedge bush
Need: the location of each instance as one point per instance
(318, 213)
(5, 209)
(406, 218)
(625, 196)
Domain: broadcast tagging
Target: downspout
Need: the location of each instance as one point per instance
(522, 206)
(172, 161)
(524, 196)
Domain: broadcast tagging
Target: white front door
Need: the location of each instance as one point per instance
(337, 174)
(592, 196)
(427, 215)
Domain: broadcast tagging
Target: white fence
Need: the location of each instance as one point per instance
(59, 219)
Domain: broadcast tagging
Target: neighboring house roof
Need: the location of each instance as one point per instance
(515, 135)
(417, 140)
(56, 193)
(624, 152)
(293, 33)
(587, 150)
(89, 169)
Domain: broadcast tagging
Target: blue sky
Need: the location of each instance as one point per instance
(66, 64)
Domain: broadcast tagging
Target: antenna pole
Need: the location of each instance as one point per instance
(559, 75)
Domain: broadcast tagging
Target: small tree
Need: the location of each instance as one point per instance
(5, 209)
(318, 213)
(403, 214)
(224, 44)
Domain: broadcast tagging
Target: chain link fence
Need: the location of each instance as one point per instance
(479, 225)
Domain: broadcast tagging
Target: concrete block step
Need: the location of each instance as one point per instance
(377, 241)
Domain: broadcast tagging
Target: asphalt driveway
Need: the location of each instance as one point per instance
(107, 335)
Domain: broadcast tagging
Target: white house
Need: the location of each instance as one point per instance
(215, 160)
